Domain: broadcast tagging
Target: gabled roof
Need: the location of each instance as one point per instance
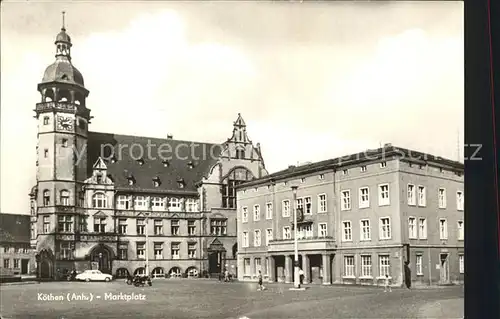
(386, 152)
(187, 161)
(15, 228)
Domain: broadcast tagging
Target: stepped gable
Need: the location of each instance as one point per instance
(177, 174)
(14, 228)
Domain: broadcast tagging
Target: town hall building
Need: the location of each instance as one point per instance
(97, 204)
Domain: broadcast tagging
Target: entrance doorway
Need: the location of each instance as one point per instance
(444, 275)
(216, 257)
(102, 256)
(24, 266)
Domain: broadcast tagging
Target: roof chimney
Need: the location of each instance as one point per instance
(386, 145)
(170, 136)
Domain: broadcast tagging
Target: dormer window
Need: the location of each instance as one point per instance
(190, 164)
(99, 178)
(140, 161)
(131, 180)
(181, 183)
(156, 181)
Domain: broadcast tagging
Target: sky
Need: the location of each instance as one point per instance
(312, 80)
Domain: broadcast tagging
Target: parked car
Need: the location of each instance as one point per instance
(93, 275)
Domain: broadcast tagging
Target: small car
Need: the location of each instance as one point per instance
(93, 275)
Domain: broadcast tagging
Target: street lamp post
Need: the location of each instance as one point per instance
(296, 278)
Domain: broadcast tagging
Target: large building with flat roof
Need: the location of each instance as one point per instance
(389, 211)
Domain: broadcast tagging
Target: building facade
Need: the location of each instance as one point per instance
(389, 211)
(18, 257)
(113, 201)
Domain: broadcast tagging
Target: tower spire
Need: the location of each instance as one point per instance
(63, 21)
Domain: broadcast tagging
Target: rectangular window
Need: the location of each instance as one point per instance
(421, 196)
(258, 266)
(191, 205)
(158, 249)
(321, 176)
(269, 235)
(175, 248)
(418, 265)
(174, 227)
(366, 266)
(364, 197)
(422, 228)
(383, 195)
(322, 203)
(460, 200)
(269, 210)
(65, 223)
(411, 192)
(122, 253)
(285, 208)
(141, 203)
(383, 164)
(45, 153)
(141, 226)
(307, 206)
(304, 231)
(460, 226)
(244, 215)
(141, 250)
(46, 120)
(347, 231)
(349, 266)
(123, 202)
(218, 227)
(6, 263)
(158, 224)
(363, 168)
(66, 251)
(256, 213)
(287, 234)
(365, 230)
(191, 228)
(385, 228)
(461, 264)
(157, 203)
(174, 204)
(16, 263)
(300, 204)
(246, 266)
(100, 225)
(346, 200)
(384, 265)
(256, 238)
(46, 224)
(244, 238)
(345, 172)
(442, 198)
(443, 229)
(322, 230)
(412, 228)
(192, 250)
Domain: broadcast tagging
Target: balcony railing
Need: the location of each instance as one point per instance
(303, 239)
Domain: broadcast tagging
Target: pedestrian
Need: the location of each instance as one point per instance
(301, 276)
(226, 275)
(407, 275)
(387, 287)
(261, 287)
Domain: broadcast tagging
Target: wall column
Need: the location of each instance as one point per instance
(337, 268)
(241, 266)
(305, 268)
(327, 269)
(271, 270)
(288, 268)
(252, 267)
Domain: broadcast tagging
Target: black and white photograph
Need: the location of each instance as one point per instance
(232, 159)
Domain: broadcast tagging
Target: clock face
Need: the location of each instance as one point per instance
(65, 123)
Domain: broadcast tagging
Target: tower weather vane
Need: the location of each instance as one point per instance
(63, 21)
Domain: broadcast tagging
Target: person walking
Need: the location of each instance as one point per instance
(387, 287)
(261, 287)
(301, 276)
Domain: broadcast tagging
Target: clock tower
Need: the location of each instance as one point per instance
(63, 119)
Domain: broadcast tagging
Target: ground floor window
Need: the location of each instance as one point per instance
(246, 266)
(366, 266)
(418, 265)
(258, 266)
(461, 264)
(175, 272)
(348, 266)
(158, 273)
(384, 265)
(121, 273)
(192, 272)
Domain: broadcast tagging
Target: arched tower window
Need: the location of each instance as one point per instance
(240, 154)
(64, 197)
(235, 177)
(99, 200)
(46, 197)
